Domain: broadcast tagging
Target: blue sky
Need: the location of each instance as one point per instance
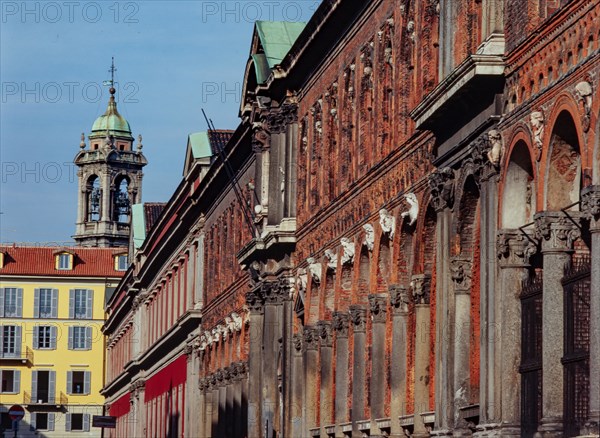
(172, 57)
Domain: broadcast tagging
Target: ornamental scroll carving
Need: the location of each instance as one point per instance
(325, 335)
(590, 202)
(399, 299)
(311, 338)
(358, 318)
(341, 321)
(557, 231)
(441, 185)
(420, 286)
(378, 308)
(514, 248)
(460, 272)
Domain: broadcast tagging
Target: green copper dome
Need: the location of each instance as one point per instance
(111, 121)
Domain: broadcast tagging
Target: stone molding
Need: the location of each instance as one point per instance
(341, 323)
(378, 308)
(358, 316)
(514, 248)
(557, 230)
(420, 286)
(399, 299)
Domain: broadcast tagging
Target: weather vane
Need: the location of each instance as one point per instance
(112, 71)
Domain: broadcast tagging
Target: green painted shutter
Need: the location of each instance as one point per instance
(87, 382)
(53, 335)
(72, 304)
(17, 381)
(19, 303)
(69, 382)
(88, 338)
(89, 310)
(36, 303)
(36, 336)
(17, 340)
(51, 386)
(54, 303)
(32, 421)
(71, 338)
(34, 379)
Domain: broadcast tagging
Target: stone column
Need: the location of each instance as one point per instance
(556, 231)
(192, 393)
(297, 388)
(311, 359)
(513, 248)
(340, 327)
(461, 268)
(255, 303)
(441, 183)
(214, 386)
(399, 300)
(378, 310)
(139, 409)
(228, 380)
(208, 411)
(326, 401)
(237, 374)
(358, 318)
(200, 421)
(270, 355)
(105, 208)
(590, 205)
(243, 369)
(421, 293)
(223, 418)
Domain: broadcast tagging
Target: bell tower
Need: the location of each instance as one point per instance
(110, 179)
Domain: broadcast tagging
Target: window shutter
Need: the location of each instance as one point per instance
(18, 340)
(69, 382)
(32, 421)
(1, 340)
(34, 378)
(52, 386)
(68, 423)
(17, 382)
(87, 378)
(50, 421)
(86, 422)
(36, 336)
(1, 301)
(71, 338)
(19, 303)
(88, 338)
(72, 304)
(90, 304)
(53, 334)
(54, 303)
(36, 303)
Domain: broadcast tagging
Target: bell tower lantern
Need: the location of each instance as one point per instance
(110, 179)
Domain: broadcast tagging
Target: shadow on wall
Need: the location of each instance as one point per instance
(173, 431)
(24, 430)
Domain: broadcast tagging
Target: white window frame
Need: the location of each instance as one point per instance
(122, 262)
(46, 296)
(65, 262)
(11, 297)
(7, 337)
(44, 333)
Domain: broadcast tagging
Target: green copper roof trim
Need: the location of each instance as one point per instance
(111, 121)
(139, 225)
(277, 38)
(261, 67)
(200, 145)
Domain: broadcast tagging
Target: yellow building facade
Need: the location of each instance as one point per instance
(51, 344)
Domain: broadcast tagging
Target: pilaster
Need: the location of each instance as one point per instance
(399, 301)
(421, 294)
(326, 368)
(340, 327)
(378, 313)
(358, 315)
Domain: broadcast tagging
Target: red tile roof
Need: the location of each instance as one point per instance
(40, 261)
(152, 211)
(219, 138)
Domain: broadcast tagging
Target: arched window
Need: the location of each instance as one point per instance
(121, 203)
(94, 199)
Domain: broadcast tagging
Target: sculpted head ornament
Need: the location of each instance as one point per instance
(348, 250)
(369, 241)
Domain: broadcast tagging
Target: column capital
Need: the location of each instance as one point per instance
(325, 335)
(203, 384)
(378, 307)
(460, 272)
(420, 286)
(358, 316)
(275, 292)
(241, 369)
(399, 299)
(441, 185)
(298, 341)
(311, 338)
(557, 230)
(590, 206)
(514, 248)
(341, 322)
(255, 301)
